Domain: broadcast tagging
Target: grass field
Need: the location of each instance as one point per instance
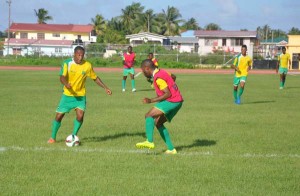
(223, 148)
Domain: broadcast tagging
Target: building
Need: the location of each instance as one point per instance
(227, 41)
(270, 48)
(47, 39)
(293, 48)
(146, 37)
(186, 42)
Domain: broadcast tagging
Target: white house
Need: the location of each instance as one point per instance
(186, 42)
(228, 41)
(146, 37)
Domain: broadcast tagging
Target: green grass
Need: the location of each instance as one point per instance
(224, 149)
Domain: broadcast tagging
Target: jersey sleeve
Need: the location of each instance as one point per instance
(91, 73)
(235, 62)
(63, 69)
(161, 84)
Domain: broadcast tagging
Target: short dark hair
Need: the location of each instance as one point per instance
(244, 46)
(147, 62)
(283, 48)
(79, 48)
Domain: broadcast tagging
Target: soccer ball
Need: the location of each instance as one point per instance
(72, 140)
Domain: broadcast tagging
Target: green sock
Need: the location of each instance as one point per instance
(149, 128)
(55, 127)
(241, 91)
(281, 84)
(235, 94)
(163, 131)
(77, 126)
(133, 83)
(123, 84)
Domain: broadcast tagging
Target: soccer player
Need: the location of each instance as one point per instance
(168, 102)
(155, 62)
(284, 63)
(128, 63)
(242, 64)
(73, 76)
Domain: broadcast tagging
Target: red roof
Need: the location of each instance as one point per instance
(39, 42)
(51, 27)
(204, 33)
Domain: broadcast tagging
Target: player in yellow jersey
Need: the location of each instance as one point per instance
(73, 76)
(283, 64)
(242, 64)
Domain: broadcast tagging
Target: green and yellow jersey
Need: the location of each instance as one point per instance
(284, 60)
(243, 63)
(76, 75)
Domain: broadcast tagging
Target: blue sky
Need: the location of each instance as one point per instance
(228, 14)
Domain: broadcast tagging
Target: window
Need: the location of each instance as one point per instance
(55, 35)
(41, 35)
(223, 42)
(211, 42)
(58, 50)
(237, 42)
(24, 35)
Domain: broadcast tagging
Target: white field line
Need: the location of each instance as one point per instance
(142, 151)
(136, 75)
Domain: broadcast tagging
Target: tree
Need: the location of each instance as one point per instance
(191, 24)
(212, 27)
(42, 16)
(99, 24)
(294, 31)
(170, 20)
(129, 16)
(147, 22)
(115, 24)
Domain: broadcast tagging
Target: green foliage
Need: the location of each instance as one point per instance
(223, 149)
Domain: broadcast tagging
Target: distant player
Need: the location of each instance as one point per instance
(128, 64)
(168, 102)
(73, 76)
(283, 64)
(155, 62)
(242, 64)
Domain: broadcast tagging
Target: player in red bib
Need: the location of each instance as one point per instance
(128, 63)
(169, 101)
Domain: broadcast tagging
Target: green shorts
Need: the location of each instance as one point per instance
(170, 109)
(238, 80)
(128, 71)
(283, 70)
(68, 103)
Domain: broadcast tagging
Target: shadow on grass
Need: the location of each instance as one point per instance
(111, 137)
(149, 89)
(291, 87)
(258, 102)
(197, 143)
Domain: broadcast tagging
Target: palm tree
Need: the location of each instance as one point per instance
(191, 24)
(146, 22)
(129, 15)
(99, 24)
(212, 27)
(42, 16)
(170, 20)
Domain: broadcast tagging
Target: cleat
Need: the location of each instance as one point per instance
(145, 144)
(174, 151)
(133, 90)
(280, 88)
(123, 90)
(238, 101)
(51, 141)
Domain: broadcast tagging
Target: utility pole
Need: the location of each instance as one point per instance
(8, 32)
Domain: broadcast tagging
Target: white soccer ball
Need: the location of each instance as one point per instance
(72, 140)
